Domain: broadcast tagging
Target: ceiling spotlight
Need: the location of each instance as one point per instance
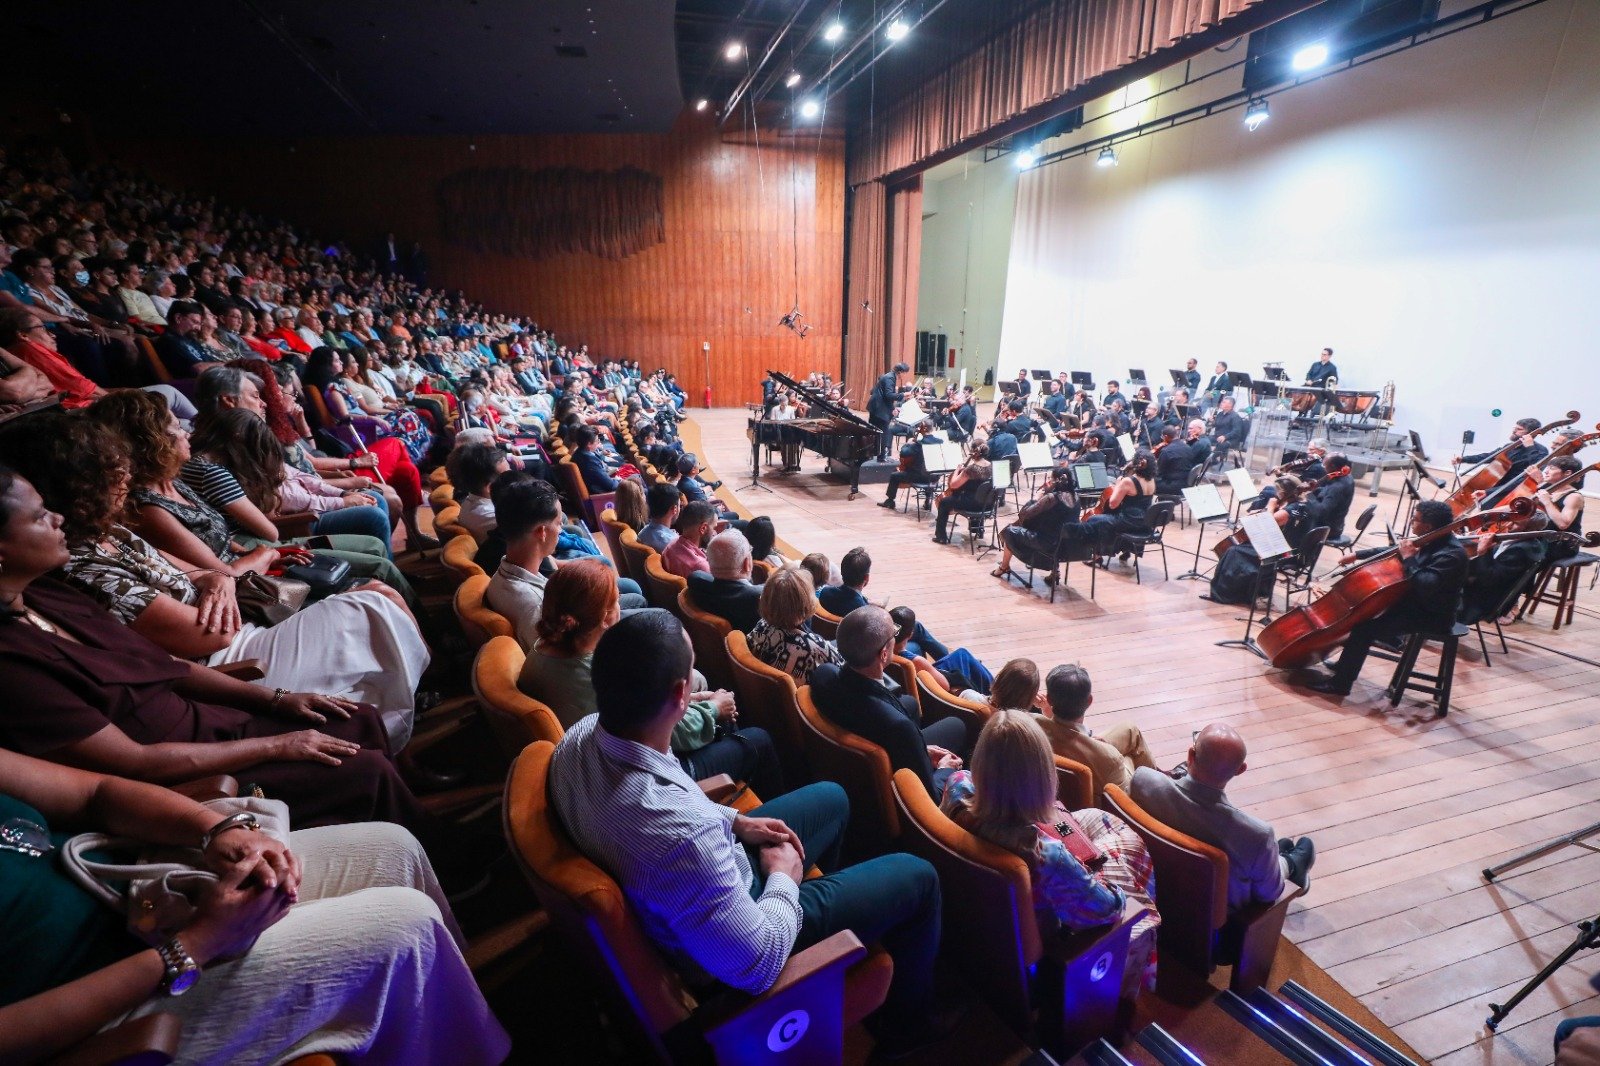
(734, 50)
(1107, 157)
(810, 109)
(897, 30)
(1255, 114)
(1026, 158)
(1310, 57)
(834, 31)
(701, 104)
(792, 80)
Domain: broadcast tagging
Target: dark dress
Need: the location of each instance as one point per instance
(110, 675)
(1238, 573)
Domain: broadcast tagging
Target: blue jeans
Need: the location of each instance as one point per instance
(923, 642)
(965, 664)
(892, 900)
(362, 521)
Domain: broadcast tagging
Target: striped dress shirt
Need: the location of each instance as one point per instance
(633, 810)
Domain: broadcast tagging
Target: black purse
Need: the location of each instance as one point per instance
(325, 574)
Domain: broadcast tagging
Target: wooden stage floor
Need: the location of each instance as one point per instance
(1405, 809)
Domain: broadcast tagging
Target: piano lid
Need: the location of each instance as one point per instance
(817, 401)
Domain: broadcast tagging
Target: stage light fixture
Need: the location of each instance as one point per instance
(734, 50)
(701, 104)
(810, 109)
(897, 30)
(1026, 158)
(834, 31)
(1255, 114)
(1107, 157)
(1310, 57)
(792, 80)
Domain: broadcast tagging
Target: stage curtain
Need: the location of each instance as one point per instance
(905, 270)
(885, 267)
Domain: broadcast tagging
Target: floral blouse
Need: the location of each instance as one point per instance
(797, 652)
(126, 575)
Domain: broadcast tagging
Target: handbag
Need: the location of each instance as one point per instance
(158, 887)
(323, 576)
(266, 601)
(1066, 830)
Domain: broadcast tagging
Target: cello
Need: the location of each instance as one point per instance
(1488, 473)
(1529, 485)
(1361, 591)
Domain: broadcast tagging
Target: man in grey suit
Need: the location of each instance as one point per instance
(1195, 803)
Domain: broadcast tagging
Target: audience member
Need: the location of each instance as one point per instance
(782, 638)
(472, 468)
(726, 591)
(666, 504)
(686, 555)
(1112, 755)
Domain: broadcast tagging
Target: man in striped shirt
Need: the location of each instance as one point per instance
(722, 893)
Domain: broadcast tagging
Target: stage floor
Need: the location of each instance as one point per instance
(1405, 809)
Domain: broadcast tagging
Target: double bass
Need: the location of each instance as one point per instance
(1489, 472)
(1529, 485)
(1361, 592)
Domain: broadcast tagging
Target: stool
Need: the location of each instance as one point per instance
(1565, 596)
(1435, 686)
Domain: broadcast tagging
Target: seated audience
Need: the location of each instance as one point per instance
(23, 335)
(630, 506)
(763, 538)
(686, 555)
(82, 469)
(855, 570)
(665, 503)
(1112, 755)
(1196, 803)
(727, 591)
(1009, 799)
(782, 638)
(472, 468)
(338, 940)
(580, 605)
(179, 347)
(823, 572)
(591, 463)
(723, 894)
(857, 696)
(954, 671)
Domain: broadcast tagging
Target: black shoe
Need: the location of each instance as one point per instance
(940, 540)
(1390, 645)
(1285, 845)
(1300, 859)
(1326, 684)
(887, 504)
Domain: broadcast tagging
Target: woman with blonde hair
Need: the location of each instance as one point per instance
(1008, 798)
(782, 639)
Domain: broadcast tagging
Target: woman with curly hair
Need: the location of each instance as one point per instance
(362, 644)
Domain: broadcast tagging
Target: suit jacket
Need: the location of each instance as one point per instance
(1437, 572)
(1221, 384)
(1490, 577)
(737, 601)
(1109, 765)
(596, 477)
(1232, 425)
(840, 599)
(885, 394)
(1173, 465)
(1330, 503)
(868, 709)
(1254, 875)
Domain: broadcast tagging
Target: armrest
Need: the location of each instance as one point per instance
(718, 789)
(221, 786)
(1259, 927)
(1070, 945)
(243, 670)
(811, 985)
(296, 524)
(150, 1041)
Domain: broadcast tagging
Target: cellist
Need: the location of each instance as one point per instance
(1437, 569)
(1524, 453)
(961, 493)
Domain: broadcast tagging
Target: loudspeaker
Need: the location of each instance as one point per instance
(930, 353)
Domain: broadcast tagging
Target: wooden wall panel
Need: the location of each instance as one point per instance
(735, 219)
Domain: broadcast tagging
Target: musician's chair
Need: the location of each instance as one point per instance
(1296, 571)
(1407, 677)
(984, 509)
(1135, 543)
(1566, 573)
(1346, 542)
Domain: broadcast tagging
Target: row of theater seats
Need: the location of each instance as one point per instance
(1054, 991)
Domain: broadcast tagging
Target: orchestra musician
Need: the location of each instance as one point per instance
(1229, 430)
(1102, 437)
(785, 410)
(1191, 376)
(961, 493)
(1219, 386)
(1055, 401)
(960, 419)
(1032, 537)
(1113, 392)
(1437, 570)
(1082, 406)
(1336, 490)
(913, 466)
(1322, 370)
(1496, 569)
(1238, 574)
(1002, 442)
(1020, 424)
(1124, 508)
(1199, 443)
(1565, 510)
(1024, 386)
(881, 404)
(1147, 426)
(1308, 468)
(1170, 410)
(1174, 461)
(1527, 452)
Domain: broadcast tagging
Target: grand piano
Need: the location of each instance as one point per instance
(837, 434)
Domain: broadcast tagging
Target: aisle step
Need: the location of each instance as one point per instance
(1374, 1046)
(1166, 1049)
(1290, 1019)
(1276, 1036)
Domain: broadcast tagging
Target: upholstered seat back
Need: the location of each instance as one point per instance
(662, 588)
(447, 524)
(634, 555)
(478, 620)
(458, 557)
(708, 633)
(1074, 784)
(516, 719)
(825, 624)
(936, 703)
(861, 767)
(612, 531)
(766, 697)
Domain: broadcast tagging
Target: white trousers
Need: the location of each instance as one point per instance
(366, 966)
(358, 644)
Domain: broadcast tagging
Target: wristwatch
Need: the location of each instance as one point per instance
(182, 970)
(242, 820)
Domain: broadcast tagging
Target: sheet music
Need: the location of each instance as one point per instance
(954, 455)
(934, 459)
(1205, 502)
(1002, 475)
(1035, 455)
(1244, 487)
(1266, 537)
(1125, 442)
(911, 413)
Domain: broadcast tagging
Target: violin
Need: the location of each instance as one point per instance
(1361, 592)
(1488, 473)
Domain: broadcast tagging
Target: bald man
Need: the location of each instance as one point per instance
(1196, 803)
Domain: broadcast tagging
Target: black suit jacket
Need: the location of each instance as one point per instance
(1232, 425)
(596, 477)
(868, 709)
(885, 394)
(1172, 467)
(1437, 572)
(1330, 503)
(1490, 577)
(737, 601)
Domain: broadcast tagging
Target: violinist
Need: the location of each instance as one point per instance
(1002, 442)
(1523, 453)
(1174, 460)
(1102, 437)
(962, 492)
(1199, 443)
(1336, 490)
(1123, 508)
(1308, 468)
(1020, 424)
(1032, 537)
(1564, 505)
(1238, 573)
(1437, 569)
(1497, 568)
(913, 466)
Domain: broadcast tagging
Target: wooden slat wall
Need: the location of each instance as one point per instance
(731, 236)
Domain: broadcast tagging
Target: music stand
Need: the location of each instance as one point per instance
(1273, 549)
(1136, 378)
(1240, 378)
(1205, 504)
(1276, 372)
(1040, 375)
(1179, 381)
(755, 459)
(1008, 388)
(1082, 379)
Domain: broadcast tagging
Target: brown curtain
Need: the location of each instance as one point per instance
(1027, 63)
(905, 269)
(866, 289)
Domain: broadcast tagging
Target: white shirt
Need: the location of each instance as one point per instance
(635, 812)
(517, 594)
(477, 516)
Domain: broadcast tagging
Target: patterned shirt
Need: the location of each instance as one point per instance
(126, 575)
(635, 812)
(796, 652)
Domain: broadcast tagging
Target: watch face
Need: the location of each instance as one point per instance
(183, 982)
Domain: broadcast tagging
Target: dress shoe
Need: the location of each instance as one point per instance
(1326, 684)
(1299, 860)
(888, 504)
(940, 540)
